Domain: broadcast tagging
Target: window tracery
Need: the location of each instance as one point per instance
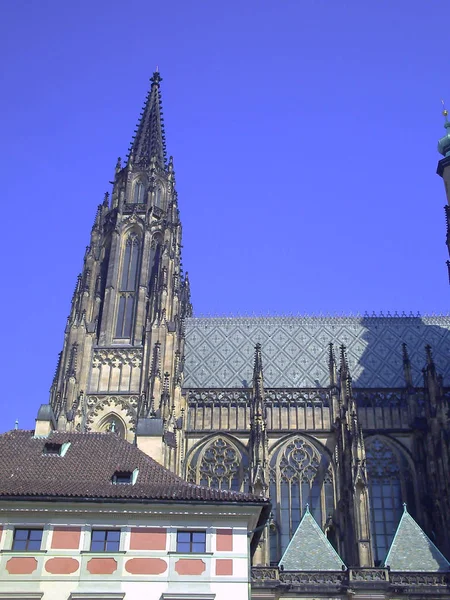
(220, 465)
(390, 485)
(299, 475)
(127, 287)
(139, 193)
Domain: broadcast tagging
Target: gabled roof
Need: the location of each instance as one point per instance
(219, 351)
(86, 469)
(412, 549)
(310, 550)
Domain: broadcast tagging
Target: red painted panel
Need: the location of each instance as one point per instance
(145, 566)
(21, 565)
(101, 566)
(61, 566)
(224, 566)
(148, 538)
(224, 540)
(190, 566)
(66, 538)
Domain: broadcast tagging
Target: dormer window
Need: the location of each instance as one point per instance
(125, 477)
(139, 193)
(55, 449)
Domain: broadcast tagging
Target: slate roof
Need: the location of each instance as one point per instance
(310, 550)
(220, 351)
(86, 470)
(412, 549)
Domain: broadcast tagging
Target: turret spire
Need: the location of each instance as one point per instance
(149, 142)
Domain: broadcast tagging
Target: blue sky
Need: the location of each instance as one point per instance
(304, 138)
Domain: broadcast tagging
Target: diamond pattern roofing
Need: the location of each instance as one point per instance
(219, 351)
(412, 549)
(310, 550)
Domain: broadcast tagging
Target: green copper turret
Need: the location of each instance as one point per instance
(443, 170)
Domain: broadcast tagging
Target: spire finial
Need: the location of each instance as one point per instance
(332, 365)
(344, 362)
(16, 424)
(405, 508)
(258, 379)
(307, 507)
(444, 111)
(149, 142)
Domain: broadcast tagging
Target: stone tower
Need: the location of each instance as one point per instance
(123, 345)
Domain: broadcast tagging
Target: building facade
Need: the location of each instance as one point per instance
(345, 415)
(89, 516)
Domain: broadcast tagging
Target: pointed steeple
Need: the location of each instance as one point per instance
(412, 549)
(332, 366)
(258, 382)
(345, 376)
(258, 428)
(149, 143)
(310, 550)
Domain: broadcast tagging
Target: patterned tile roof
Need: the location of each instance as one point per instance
(412, 549)
(310, 550)
(219, 351)
(87, 468)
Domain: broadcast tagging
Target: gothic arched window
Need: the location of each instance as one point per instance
(299, 475)
(127, 287)
(139, 193)
(218, 464)
(390, 485)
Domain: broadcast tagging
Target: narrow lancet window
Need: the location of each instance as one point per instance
(158, 197)
(139, 193)
(127, 288)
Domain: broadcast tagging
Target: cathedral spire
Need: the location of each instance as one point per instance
(258, 429)
(149, 143)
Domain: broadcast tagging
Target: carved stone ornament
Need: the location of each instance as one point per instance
(115, 357)
(99, 408)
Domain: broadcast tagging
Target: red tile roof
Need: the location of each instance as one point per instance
(86, 470)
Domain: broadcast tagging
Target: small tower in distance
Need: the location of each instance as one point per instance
(443, 170)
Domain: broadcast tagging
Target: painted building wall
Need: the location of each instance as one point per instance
(147, 564)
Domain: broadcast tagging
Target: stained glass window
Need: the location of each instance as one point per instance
(390, 485)
(299, 475)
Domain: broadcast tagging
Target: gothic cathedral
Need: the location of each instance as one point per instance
(345, 418)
